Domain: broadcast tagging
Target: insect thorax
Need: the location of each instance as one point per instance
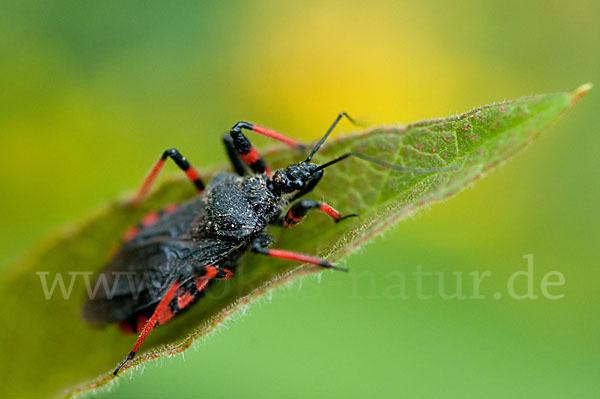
(239, 207)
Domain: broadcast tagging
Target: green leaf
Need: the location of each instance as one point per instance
(46, 346)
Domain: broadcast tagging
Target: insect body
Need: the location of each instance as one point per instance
(167, 261)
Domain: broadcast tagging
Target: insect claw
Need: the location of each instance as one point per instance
(328, 265)
(128, 358)
(352, 215)
(341, 269)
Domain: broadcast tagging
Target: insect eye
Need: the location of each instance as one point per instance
(311, 167)
(292, 172)
(296, 184)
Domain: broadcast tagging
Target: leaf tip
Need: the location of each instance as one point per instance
(579, 92)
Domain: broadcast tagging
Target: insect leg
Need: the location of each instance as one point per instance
(258, 248)
(148, 220)
(237, 163)
(211, 272)
(187, 294)
(183, 164)
(150, 323)
(263, 131)
(246, 151)
(299, 210)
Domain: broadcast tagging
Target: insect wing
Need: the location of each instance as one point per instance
(138, 275)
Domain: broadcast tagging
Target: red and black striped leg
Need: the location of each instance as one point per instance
(183, 164)
(209, 273)
(232, 153)
(263, 131)
(246, 151)
(213, 272)
(258, 248)
(164, 302)
(148, 220)
(299, 210)
(187, 294)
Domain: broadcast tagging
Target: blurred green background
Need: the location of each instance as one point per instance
(91, 93)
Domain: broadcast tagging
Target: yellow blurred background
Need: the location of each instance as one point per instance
(92, 92)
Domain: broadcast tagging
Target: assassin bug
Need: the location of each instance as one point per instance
(173, 254)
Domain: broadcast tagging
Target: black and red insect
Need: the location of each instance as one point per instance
(169, 258)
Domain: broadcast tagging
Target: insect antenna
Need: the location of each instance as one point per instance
(335, 122)
(385, 164)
